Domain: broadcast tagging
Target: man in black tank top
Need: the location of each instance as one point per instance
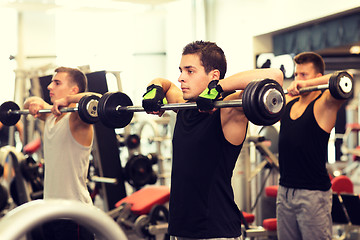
(206, 143)
(304, 197)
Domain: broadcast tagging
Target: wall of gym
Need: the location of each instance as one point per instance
(147, 38)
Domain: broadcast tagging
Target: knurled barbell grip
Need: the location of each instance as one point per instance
(311, 89)
(181, 106)
(24, 112)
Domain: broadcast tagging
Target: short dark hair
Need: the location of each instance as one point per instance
(211, 56)
(77, 76)
(311, 57)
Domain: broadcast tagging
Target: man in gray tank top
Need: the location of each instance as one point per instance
(67, 146)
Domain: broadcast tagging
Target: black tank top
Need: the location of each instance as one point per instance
(303, 147)
(202, 200)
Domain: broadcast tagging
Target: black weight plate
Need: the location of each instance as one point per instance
(132, 141)
(254, 106)
(158, 213)
(272, 106)
(262, 115)
(142, 172)
(87, 108)
(5, 117)
(138, 170)
(103, 116)
(109, 115)
(341, 85)
(246, 102)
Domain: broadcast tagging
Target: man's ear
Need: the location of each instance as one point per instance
(318, 75)
(215, 74)
(74, 89)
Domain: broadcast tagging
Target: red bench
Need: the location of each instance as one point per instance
(144, 199)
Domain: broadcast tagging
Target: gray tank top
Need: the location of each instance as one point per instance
(66, 162)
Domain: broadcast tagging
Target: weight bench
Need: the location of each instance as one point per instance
(143, 212)
(144, 199)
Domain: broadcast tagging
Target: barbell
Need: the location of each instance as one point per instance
(340, 86)
(10, 112)
(263, 103)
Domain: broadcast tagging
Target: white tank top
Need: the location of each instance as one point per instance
(66, 162)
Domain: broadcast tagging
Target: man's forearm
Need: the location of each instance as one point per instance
(240, 80)
(76, 97)
(318, 81)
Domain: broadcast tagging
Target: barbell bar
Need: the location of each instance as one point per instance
(115, 109)
(340, 85)
(25, 112)
(10, 112)
(311, 89)
(181, 106)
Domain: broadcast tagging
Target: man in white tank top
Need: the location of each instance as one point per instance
(67, 145)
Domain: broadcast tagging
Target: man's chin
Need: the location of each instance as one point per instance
(189, 99)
